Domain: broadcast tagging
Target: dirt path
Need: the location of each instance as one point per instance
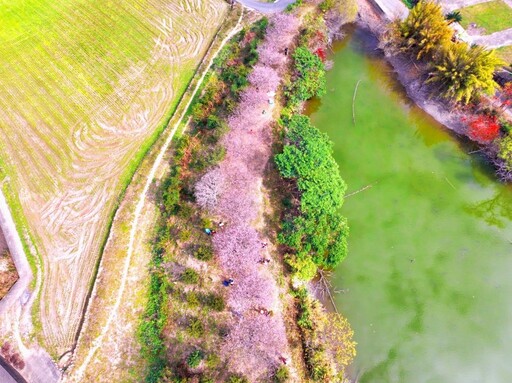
(266, 7)
(452, 5)
(134, 231)
(494, 40)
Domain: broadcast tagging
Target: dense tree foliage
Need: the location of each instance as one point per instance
(463, 72)
(309, 78)
(318, 231)
(459, 71)
(424, 31)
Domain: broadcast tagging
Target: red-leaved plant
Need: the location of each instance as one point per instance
(483, 128)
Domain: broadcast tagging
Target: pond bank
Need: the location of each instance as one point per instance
(412, 75)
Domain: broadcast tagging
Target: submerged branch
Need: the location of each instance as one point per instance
(353, 102)
(360, 190)
(327, 288)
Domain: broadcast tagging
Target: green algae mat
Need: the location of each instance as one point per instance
(426, 285)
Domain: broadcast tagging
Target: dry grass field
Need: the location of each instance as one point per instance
(85, 87)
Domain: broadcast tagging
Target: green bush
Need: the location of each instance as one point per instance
(184, 235)
(282, 375)
(204, 253)
(309, 78)
(195, 358)
(192, 299)
(506, 127)
(214, 301)
(212, 360)
(201, 160)
(184, 210)
(260, 27)
(189, 276)
(304, 268)
(237, 378)
(171, 194)
(292, 6)
(318, 231)
(195, 328)
(304, 317)
(505, 151)
(151, 327)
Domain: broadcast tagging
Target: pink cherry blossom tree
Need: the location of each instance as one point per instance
(208, 188)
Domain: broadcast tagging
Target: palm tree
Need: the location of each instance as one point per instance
(454, 16)
(424, 31)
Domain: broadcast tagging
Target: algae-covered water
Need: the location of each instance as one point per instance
(427, 285)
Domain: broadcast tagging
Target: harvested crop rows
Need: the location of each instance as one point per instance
(84, 86)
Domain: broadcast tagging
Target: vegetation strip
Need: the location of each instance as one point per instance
(314, 234)
(180, 227)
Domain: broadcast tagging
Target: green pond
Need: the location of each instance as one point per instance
(427, 285)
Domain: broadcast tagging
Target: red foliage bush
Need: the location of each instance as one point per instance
(320, 52)
(483, 128)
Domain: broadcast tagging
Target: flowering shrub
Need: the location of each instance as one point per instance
(208, 188)
(484, 128)
(255, 343)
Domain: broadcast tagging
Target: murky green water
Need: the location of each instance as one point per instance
(427, 285)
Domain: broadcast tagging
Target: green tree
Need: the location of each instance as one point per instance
(424, 31)
(318, 232)
(462, 72)
(310, 76)
(454, 16)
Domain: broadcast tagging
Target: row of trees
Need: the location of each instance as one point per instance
(179, 232)
(458, 71)
(257, 337)
(313, 233)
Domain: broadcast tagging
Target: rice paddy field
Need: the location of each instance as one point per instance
(85, 88)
